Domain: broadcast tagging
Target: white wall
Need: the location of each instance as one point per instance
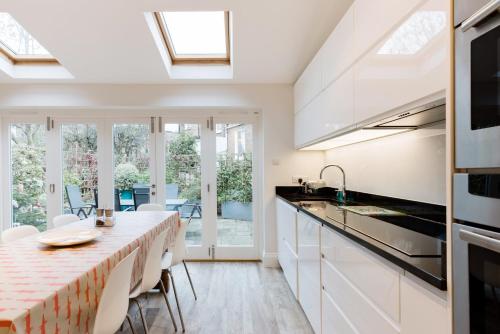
(275, 102)
(409, 166)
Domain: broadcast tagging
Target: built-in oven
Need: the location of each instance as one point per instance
(476, 286)
(477, 85)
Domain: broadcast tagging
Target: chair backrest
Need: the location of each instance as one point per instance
(150, 207)
(117, 201)
(74, 196)
(62, 220)
(180, 244)
(152, 266)
(141, 195)
(96, 197)
(171, 191)
(18, 232)
(113, 305)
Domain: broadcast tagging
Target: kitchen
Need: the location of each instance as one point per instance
(333, 171)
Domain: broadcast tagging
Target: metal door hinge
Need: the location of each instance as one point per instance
(50, 123)
(208, 187)
(160, 124)
(212, 123)
(152, 125)
(213, 252)
(52, 188)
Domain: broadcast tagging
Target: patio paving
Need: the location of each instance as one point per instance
(230, 232)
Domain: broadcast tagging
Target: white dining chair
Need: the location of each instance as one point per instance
(150, 207)
(18, 232)
(62, 220)
(114, 302)
(174, 257)
(152, 276)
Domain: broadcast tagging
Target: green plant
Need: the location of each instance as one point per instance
(234, 179)
(126, 175)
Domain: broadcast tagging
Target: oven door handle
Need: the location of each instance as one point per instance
(480, 240)
(480, 15)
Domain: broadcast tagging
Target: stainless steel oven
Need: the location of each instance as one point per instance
(476, 286)
(477, 84)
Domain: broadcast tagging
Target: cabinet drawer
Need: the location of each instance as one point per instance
(286, 216)
(367, 272)
(333, 319)
(288, 261)
(358, 309)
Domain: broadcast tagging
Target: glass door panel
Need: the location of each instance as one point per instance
(183, 176)
(28, 175)
(234, 161)
(79, 168)
(131, 165)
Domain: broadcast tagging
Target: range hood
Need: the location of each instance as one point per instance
(390, 125)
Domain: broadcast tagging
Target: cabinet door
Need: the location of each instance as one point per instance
(331, 111)
(338, 50)
(288, 261)
(374, 19)
(423, 308)
(309, 84)
(286, 217)
(333, 320)
(408, 67)
(309, 269)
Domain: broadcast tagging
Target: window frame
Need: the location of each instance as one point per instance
(193, 59)
(16, 59)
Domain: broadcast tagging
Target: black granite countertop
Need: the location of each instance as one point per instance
(414, 239)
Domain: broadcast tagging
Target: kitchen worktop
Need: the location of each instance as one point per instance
(409, 234)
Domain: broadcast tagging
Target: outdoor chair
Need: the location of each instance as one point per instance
(76, 203)
(141, 195)
(119, 206)
(190, 208)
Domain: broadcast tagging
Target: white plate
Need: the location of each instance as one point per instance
(68, 237)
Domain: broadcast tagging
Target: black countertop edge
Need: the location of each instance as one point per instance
(436, 281)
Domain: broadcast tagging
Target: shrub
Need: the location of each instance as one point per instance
(126, 175)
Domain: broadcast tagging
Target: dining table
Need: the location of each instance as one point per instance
(56, 290)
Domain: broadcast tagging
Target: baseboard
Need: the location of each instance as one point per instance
(270, 260)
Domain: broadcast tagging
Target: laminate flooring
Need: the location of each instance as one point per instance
(233, 297)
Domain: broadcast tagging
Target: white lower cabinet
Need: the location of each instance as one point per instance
(308, 237)
(345, 288)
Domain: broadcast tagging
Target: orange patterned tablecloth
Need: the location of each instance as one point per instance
(57, 290)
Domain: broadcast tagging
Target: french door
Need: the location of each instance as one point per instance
(202, 167)
(208, 174)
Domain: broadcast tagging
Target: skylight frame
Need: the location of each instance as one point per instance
(15, 58)
(193, 59)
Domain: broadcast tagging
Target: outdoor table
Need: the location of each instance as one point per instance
(57, 290)
(175, 203)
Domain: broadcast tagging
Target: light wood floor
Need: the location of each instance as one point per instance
(232, 298)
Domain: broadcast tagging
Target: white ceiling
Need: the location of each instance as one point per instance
(108, 41)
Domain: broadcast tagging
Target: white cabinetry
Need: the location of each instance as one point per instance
(374, 19)
(338, 50)
(395, 73)
(286, 217)
(379, 58)
(423, 308)
(309, 84)
(308, 237)
(331, 111)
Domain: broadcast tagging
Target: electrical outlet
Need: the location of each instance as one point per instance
(295, 179)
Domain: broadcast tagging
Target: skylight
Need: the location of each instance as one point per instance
(196, 37)
(18, 44)
(415, 33)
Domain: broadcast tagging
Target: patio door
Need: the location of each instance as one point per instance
(132, 164)
(207, 173)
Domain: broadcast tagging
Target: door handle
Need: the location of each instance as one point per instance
(480, 15)
(480, 240)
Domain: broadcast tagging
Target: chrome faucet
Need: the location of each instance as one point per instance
(343, 188)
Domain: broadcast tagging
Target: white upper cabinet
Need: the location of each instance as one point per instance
(309, 84)
(338, 50)
(332, 111)
(375, 18)
(408, 65)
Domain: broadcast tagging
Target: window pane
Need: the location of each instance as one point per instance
(29, 200)
(183, 176)
(234, 185)
(17, 39)
(79, 166)
(131, 165)
(197, 33)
